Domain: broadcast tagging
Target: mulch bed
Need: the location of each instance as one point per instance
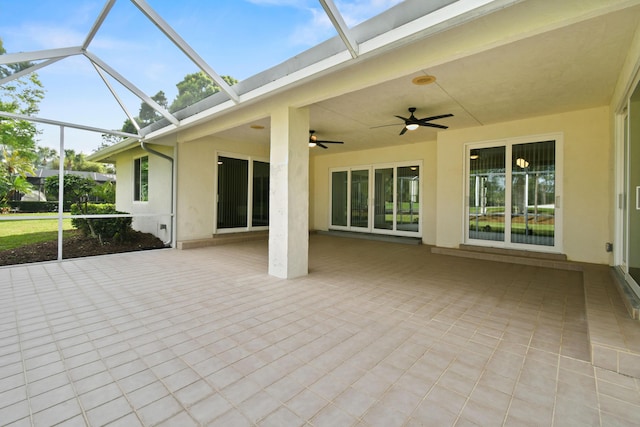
(78, 246)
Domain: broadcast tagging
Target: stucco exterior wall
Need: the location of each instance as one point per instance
(587, 179)
(159, 191)
(425, 152)
(196, 179)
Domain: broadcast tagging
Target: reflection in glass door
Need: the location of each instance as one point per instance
(384, 200)
(633, 188)
(512, 193)
(408, 198)
(384, 207)
(360, 198)
(533, 193)
(487, 194)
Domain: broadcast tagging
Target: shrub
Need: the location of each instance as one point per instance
(35, 207)
(103, 228)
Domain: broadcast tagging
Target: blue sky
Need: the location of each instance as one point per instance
(236, 37)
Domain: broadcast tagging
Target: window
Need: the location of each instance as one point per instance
(141, 179)
(243, 193)
(512, 189)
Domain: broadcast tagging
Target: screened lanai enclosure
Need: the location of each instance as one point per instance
(242, 183)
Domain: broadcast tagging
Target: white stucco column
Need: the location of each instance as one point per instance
(289, 193)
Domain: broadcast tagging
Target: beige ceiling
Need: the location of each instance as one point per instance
(568, 68)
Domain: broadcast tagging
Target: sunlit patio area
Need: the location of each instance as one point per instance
(378, 334)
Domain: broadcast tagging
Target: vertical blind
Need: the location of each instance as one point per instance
(487, 193)
(533, 193)
(233, 176)
(339, 198)
(260, 205)
(529, 205)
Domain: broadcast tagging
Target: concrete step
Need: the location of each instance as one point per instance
(537, 259)
(223, 239)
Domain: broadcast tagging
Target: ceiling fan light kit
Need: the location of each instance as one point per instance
(413, 123)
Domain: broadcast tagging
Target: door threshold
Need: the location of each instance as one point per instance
(373, 236)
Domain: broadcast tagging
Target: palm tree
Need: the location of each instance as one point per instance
(15, 167)
(45, 155)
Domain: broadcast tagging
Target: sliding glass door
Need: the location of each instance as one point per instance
(233, 175)
(339, 201)
(350, 199)
(512, 192)
(382, 199)
(533, 193)
(360, 199)
(243, 194)
(487, 192)
(408, 198)
(384, 213)
(632, 189)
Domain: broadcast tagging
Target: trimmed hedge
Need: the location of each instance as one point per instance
(103, 228)
(35, 207)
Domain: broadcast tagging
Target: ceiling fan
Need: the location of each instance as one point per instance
(313, 141)
(412, 122)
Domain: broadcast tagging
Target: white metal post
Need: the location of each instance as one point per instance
(60, 192)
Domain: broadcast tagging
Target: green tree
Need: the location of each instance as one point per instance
(129, 127)
(145, 117)
(78, 162)
(76, 189)
(9, 69)
(108, 140)
(195, 87)
(148, 115)
(45, 156)
(17, 137)
(15, 168)
(105, 192)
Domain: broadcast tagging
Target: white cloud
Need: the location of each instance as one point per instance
(319, 28)
(49, 37)
(314, 31)
(355, 12)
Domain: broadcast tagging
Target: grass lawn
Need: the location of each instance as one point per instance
(14, 234)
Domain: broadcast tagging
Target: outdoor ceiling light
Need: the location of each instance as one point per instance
(412, 126)
(474, 156)
(522, 163)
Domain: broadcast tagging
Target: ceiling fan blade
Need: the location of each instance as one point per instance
(383, 126)
(442, 116)
(321, 145)
(403, 118)
(433, 125)
(331, 142)
(404, 129)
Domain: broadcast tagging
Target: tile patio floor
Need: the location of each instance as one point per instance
(379, 334)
